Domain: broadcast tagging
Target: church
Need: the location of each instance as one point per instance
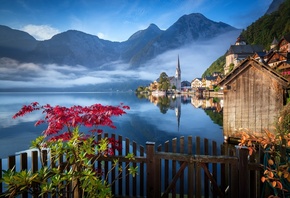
(175, 81)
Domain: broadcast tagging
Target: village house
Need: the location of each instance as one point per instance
(238, 52)
(254, 94)
(195, 83)
(278, 58)
(208, 82)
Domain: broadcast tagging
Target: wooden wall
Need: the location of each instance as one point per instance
(252, 101)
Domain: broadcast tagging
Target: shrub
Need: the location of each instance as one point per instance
(63, 138)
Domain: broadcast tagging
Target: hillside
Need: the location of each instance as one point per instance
(269, 26)
(216, 66)
(276, 24)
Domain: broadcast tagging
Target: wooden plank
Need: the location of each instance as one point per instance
(106, 166)
(213, 180)
(127, 171)
(158, 171)
(1, 168)
(44, 157)
(60, 162)
(251, 100)
(166, 166)
(173, 171)
(206, 181)
(214, 165)
(134, 165)
(34, 161)
(266, 99)
(198, 180)
(190, 169)
(224, 175)
(259, 100)
(113, 173)
(181, 150)
(254, 179)
(12, 162)
(120, 172)
(142, 173)
(150, 183)
(23, 161)
(238, 107)
(174, 179)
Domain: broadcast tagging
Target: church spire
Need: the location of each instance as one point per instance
(178, 75)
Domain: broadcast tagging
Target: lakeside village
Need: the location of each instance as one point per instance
(254, 86)
(277, 59)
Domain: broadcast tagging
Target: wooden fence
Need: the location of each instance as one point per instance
(183, 167)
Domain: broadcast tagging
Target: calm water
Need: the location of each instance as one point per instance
(145, 121)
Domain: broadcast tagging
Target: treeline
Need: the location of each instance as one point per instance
(262, 32)
(276, 24)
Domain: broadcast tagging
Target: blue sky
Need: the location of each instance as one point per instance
(117, 20)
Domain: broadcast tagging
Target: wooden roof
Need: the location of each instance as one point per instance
(276, 56)
(259, 65)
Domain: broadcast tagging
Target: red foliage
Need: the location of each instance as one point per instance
(59, 117)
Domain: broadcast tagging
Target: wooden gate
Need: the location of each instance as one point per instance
(183, 167)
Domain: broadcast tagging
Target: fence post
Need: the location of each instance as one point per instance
(243, 153)
(150, 181)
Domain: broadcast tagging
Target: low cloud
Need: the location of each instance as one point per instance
(194, 60)
(41, 32)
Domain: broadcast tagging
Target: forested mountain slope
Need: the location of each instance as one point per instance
(262, 31)
(276, 24)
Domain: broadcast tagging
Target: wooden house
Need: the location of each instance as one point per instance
(275, 58)
(284, 69)
(254, 94)
(279, 60)
(284, 44)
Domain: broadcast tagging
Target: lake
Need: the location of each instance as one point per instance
(147, 120)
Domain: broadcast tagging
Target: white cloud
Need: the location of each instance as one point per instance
(41, 32)
(194, 58)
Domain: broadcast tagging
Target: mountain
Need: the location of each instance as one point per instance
(274, 6)
(76, 56)
(15, 43)
(74, 48)
(138, 40)
(78, 48)
(184, 31)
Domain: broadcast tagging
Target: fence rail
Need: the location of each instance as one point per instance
(178, 168)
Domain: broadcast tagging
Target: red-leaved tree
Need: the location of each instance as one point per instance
(63, 120)
(81, 150)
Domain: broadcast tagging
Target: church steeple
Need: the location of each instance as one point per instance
(178, 75)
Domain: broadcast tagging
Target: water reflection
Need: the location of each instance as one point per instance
(149, 119)
(213, 107)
